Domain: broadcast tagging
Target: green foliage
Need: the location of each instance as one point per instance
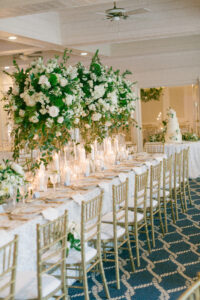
(189, 136)
(151, 94)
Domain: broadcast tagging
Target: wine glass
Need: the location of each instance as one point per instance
(54, 180)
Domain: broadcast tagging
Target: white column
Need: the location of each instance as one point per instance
(136, 133)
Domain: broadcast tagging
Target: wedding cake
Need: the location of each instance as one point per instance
(173, 133)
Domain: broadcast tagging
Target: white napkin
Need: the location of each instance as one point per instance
(5, 237)
(78, 198)
(122, 177)
(104, 186)
(139, 170)
(50, 214)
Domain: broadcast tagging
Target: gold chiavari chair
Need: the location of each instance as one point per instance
(177, 180)
(89, 257)
(8, 263)
(193, 292)
(51, 257)
(154, 148)
(166, 190)
(185, 179)
(153, 205)
(112, 232)
(137, 220)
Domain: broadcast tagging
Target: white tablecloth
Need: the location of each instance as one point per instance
(194, 155)
(27, 230)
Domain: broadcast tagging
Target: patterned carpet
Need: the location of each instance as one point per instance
(164, 273)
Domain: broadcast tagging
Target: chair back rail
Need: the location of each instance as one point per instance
(8, 263)
(51, 244)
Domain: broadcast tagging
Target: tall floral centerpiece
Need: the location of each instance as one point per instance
(108, 100)
(44, 103)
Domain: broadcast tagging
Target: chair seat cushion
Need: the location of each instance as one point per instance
(74, 256)
(107, 231)
(27, 287)
(109, 217)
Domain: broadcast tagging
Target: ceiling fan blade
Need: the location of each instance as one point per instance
(137, 11)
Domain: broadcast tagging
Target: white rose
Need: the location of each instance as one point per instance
(33, 119)
(92, 107)
(87, 126)
(63, 82)
(36, 136)
(43, 111)
(17, 168)
(99, 91)
(68, 99)
(21, 113)
(44, 80)
(113, 97)
(53, 111)
(14, 107)
(90, 82)
(58, 134)
(28, 99)
(108, 123)
(60, 120)
(76, 121)
(96, 117)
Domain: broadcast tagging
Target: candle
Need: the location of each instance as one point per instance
(41, 178)
(92, 152)
(56, 162)
(76, 134)
(75, 154)
(67, 176)
(87, 168)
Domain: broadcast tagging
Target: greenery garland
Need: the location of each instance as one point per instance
(151, 94)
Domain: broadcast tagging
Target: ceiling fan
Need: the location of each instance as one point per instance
(23, 56)
(117, 13)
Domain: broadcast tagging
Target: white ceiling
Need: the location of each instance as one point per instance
(160, 47)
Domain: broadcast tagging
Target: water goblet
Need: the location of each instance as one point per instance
(54, 179)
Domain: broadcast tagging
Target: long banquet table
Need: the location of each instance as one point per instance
(23, 220)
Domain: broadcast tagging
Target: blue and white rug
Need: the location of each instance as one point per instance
(166, 272)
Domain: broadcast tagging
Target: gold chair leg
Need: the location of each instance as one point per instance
(172, 210)
(161, 222)
(165, 214)
(181, 199)
(184, 195)
(130, 252)
(104, 279)
(85, 283)
(152, 229)
(116, 263)
(137, 246)
(176, 207)
(147, 236)
(189, 193)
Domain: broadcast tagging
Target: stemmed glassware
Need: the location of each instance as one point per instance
(54, 179)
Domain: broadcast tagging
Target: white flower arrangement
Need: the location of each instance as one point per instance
(45, 100)
(11, 178)
(108, 102)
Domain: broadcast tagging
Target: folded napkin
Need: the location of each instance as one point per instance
(104, 186)
(5, 237)
(139, 170)
(78, 198)
(122, 177)
(50, 214)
